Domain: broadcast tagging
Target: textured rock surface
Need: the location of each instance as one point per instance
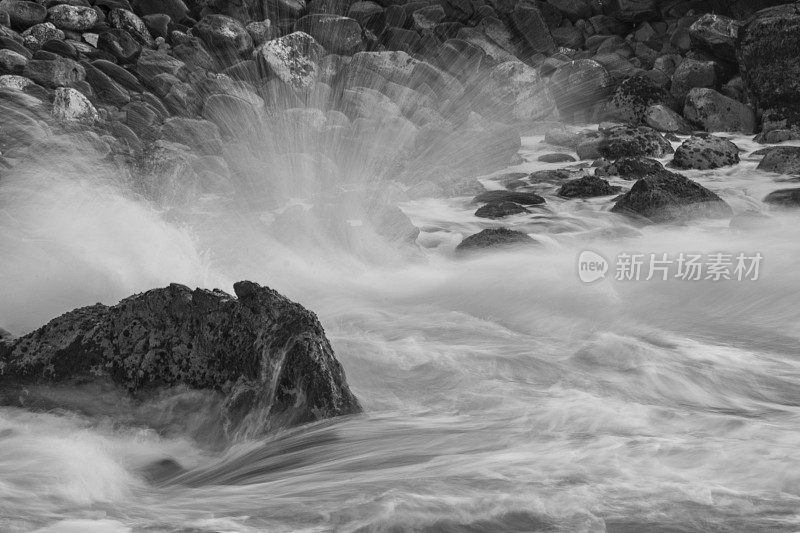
(704, 153)
(784, 197)
(495, 238)
(628, 141)
(267, 357)
(716, 112)
(292, 59)
(781, 159)
(670, 197)
(587, 187)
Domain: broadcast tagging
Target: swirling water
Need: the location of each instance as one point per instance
(501, 393)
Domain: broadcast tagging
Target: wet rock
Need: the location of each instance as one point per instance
(174, 9)
(563, 137)
(574, 10)
(200, 135)
(556, 158)
(578, 86)
(630, 168)
(670, 197)
(23, 14)
(196, 57)
(589, 148)
(497, 210)
(126, 20)
(628, 141)
(717, 34)
(76, 18)
(662, 118)
(495, 238)
(106, 90)
(119, 75)
(531, 25)
(632, 11)
(224, 36)
(522, 198)
(230, 113)
(35, 36)
(70, 105)
(714, 111)
(694, 73)
(632, 98)
(784, 198)
(120, 44)
(781, 159)
(293, 59)
(339, 35)
(11, 62)
(515, 92)
(62, 48)
(549, 176)
(261, 32)
(151, 63)
(768, 50)
(587, 187)
(266, 358)
(707, 152)
(54, 73)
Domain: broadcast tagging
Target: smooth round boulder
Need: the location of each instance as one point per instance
(579, 85)
(75, 18)
(495, 210)
(629, 141)
(556, 158)
(784, 198)
(522, 198)
(11, 62)
(587, 187)
(23, 14)
(495, 238)
(781, 159)
(704, 153)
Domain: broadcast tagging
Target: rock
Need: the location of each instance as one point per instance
(495, 238)
(522, 198)
(54, 73)
(556, 158)
(106, 90)
(578, 86)
(531, 25)
(630, 168)
(587, 187)
(151, 63)
(174, 9)
(200, 135)
(717, 34)
(574, 10)
(549, 176)
(632, 98)
(703, 153)
(662, 118)
(265, 359)
(284, 9)
(714, 111)
(339, 35)
(119, 75)
(784, 198)
(12, 62)
(223, 36)
(628, 141)
(693, 73)
(768, 50)
(196, 57)
(293, 59)
(669, 197)
(633, 11)
(36, 36)
(781, 159)
(76, 18)
(120, 44)
(261, 32)
(589, 148)
(70, 105)
(23, 14)
(394, 66)
(496, 210)
(514, 92)
(62, 48)
(562, 137)
(125, 20)
(230, 112)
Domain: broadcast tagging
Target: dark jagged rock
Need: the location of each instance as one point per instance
(628, 141)
(670, 197)
(523, 198)
(706, 152)
(768, 50)
(717, 34)
(694, 73)
(784, 197)
(632, 11)
(265, 357)
(632, 98)
(495, 238)
(499, 210)
(781, 159)
(587, 187)
(530, 23)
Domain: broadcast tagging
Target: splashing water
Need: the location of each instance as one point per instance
(501, 393)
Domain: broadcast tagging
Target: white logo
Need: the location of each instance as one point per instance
(591, 266)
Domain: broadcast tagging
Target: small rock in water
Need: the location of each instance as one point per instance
(556, 158)
(784, 197)
(707, 152)
(523, 198)
(495, 238)
(23, 14)
(499, 210)
(549, 176)
(587, 187)
(77, 18)
(781, 159)
(630, 168)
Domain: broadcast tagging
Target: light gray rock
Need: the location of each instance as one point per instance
(714, 111)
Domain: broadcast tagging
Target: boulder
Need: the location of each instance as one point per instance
(664, 119)
(632, 98)
(717, 34)
(55, 72)
(587, 187)
(632, 11)
(293, 59)
(105, 89)
(556, 158)
(669, 197)
(496, 210)
(784, 197)
(125, 20)
(75, 18)
(35, 36)
(224, 36)
(23, 14)
(522, 198)
(200, 135)
(629, 141)
(707, 152)
(339, 35)
(120, 45)
(264, 360)
(714, 111)
(151, 63)
(578, 86)
(11, 62)
(781, 159)
(118, 74)
(694, 73)
(70, 105)
(768, 50)
(515, 92)
(174, 9)
(630, 168)
(495, 238)
(531, 25)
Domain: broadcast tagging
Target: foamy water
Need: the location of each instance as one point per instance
(500, 392)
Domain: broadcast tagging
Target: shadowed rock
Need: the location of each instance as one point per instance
(587, 187)
(265, 357)
(494, 238)
(781, 159)
(784, 197)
